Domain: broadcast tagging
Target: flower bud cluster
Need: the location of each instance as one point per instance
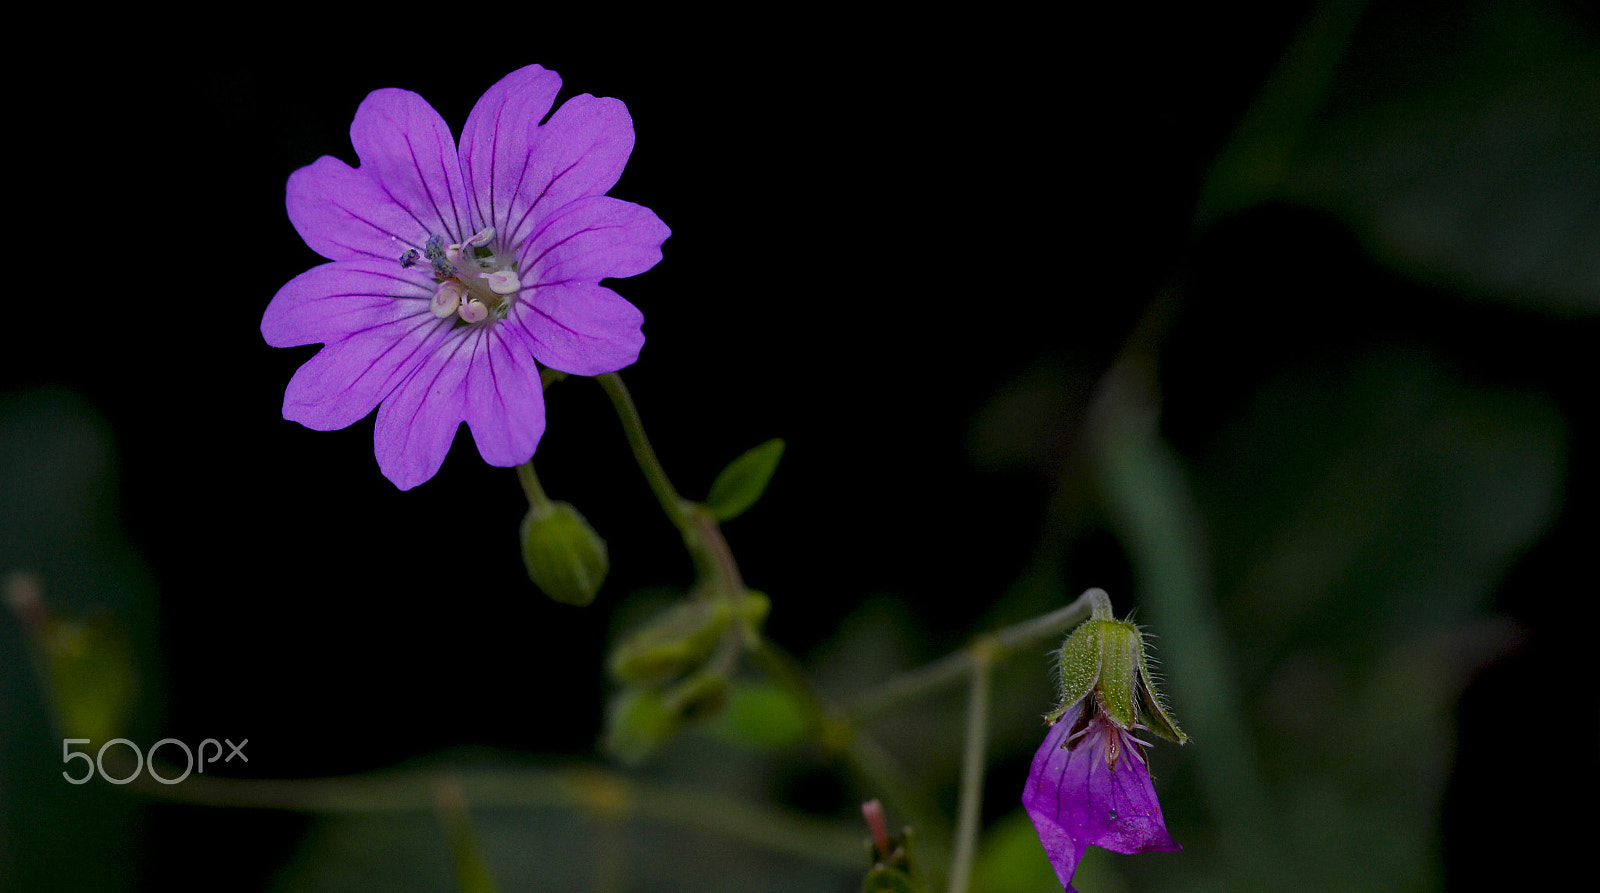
(677, 668)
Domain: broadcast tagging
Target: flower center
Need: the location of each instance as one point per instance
(474, 282)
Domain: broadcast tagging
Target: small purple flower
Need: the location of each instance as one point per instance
(454, 275)
(1090, 784)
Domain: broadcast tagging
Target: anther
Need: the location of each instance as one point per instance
(435, 253)
(447, 298)
(503, 282)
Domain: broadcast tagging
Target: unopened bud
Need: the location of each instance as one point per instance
(564, 556)
(638, 724)
(674, 641)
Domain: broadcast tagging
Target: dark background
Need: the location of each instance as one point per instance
(878, 227)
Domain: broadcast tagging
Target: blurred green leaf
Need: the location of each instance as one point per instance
(1363, 503)
(91, 676)
(739, 485)
(765, 715)
(1462, 142)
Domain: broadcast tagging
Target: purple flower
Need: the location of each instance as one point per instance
(454, 275)
(1090, 784)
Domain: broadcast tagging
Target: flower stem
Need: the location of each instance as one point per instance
(952, 667)
(537, 498)
(700, 531)
(644, 454)
(983, 654)
(471, 868)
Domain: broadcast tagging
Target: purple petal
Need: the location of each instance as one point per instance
(584, 146)
(592, 239)
(1076, 800)
(329, 302)
(347, 378)
(496, 145)
(343, 214)
(410, 155)
(580, 327)
(578, 153)
(481, 375)
(1042, 799)
(505, 403)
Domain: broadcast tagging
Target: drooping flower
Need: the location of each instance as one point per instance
(454, 275)
(1090, 782)
(1090, 785)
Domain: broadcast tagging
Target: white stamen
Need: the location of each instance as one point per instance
(503, 282)
(447, 298)
(474, 311)
(483, 237)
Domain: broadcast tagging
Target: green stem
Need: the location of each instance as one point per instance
(645, 455)
(466, 854)
(972, 765)
(537, 498)
(929, 678)
(701, 535)
(874, 765)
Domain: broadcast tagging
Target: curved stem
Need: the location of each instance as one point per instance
(952, 667)
(643, 453)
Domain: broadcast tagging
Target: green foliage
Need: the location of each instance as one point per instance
(739, 485)
(764, 715)
(90, 675)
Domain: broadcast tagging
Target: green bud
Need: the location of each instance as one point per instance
(1121, 648)
(1079, 665)
(674, 641)
(638, 724)
(642, 719)
(894, 868)
(699, 696)
(565, 558)
(1106, 657)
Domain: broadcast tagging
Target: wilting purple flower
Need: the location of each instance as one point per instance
(455, 275)
(1090, 784)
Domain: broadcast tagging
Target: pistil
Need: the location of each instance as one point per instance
(474, 287)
